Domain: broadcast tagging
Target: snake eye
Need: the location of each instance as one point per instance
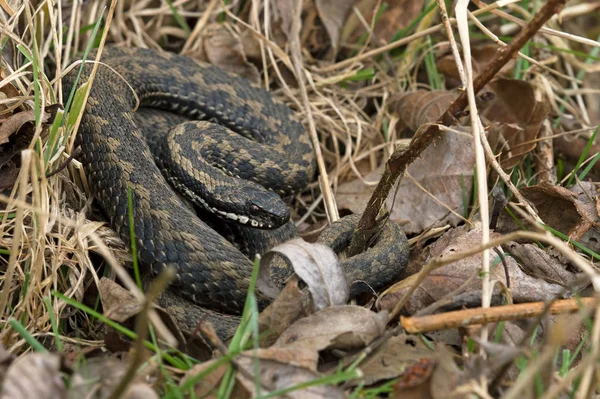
(254, 208)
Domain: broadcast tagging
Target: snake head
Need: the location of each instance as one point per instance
(267, 210)
(252, 205)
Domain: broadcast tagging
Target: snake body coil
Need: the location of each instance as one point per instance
(116, 156)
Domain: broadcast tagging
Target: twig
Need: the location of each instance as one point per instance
(63, 165)
(468, 317)
(401, 158)
(437, 263)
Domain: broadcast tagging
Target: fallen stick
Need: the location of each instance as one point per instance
(468, 317)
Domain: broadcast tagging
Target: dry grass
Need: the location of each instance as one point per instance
(47, 237)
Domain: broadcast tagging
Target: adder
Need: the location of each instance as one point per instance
(241, 140)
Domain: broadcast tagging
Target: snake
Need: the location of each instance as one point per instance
(182, 138)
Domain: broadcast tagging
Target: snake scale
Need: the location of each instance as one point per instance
(247, 135)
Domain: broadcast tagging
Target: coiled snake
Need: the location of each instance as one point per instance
(269, 147)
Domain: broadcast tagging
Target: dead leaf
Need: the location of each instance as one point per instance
(481, 56)
(420, 107)
(119, 304)
(445, 170)
(13, 123)
(413, 383)
(516, 117)
(572, 212)
(291, 304)
(334, 13)
(8, 175)
(101, 375)
(316, 264)
(447, 278)
(339, 327)
(279, 368)
(224, 50)
(397, 15)
(446, 376)
(393, 358)
(542, 264)
(36, 375)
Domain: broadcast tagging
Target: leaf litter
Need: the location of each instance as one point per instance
(368, 93)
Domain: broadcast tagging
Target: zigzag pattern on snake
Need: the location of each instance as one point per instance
(211, 272)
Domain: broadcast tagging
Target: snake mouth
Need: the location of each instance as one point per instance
(241, 219)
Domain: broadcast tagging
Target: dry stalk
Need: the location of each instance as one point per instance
(141, 329)
(585, 386)
(296, 50)
(401, 158)
(437, 263)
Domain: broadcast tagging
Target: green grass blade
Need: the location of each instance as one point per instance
(125, 331)
(30, 339)
(583, 156)
(54, 323)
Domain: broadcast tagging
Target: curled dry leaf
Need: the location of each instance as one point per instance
(334, 13)
(339, 327)
(222, 49)
(119, 304)
(446, 279)
(316, 264)
(36, 375)
(436, 185)
(573, 212)
(13, 123)
(516, 117)
(420, 107)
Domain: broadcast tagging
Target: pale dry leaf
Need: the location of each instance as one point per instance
(392, 359)
(101, 375)
(316, 264)
(36, 375)
(445, 170)
(277, 375)
(440, 282)
(284, 10)
(540, 263)
(119, 304)
(226, 51)
(279, 368)
(339, 327)
(334, 13)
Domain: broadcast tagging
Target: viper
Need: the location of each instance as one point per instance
(172, 131)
